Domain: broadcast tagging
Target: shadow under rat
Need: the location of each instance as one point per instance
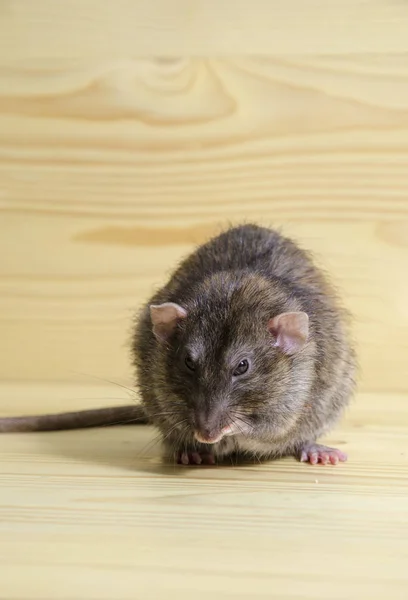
(131, 449)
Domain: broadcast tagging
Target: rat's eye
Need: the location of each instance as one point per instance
(241, 368)
(189, 363)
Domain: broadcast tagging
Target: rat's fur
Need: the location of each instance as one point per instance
(230, 288)
(227, 293)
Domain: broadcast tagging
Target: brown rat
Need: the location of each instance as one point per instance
(244, 351)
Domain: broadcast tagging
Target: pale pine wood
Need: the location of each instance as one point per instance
(31, 29)
(97, 515)
(112, 171)
(129, 132)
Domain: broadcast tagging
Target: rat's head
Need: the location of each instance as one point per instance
(231, 357)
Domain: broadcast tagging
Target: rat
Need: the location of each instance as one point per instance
(246, 351)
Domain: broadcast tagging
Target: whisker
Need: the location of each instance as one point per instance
(94, 398)
(234, 421)
(160, 437)
(173, 428)
(257, 457)
(180, 442)
(134, 420)
(128, 389)
(125, 422)
(150, 445)
(242, 420)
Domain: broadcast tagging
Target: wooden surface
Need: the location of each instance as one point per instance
(97, 515)
(129, 132)
(111, 172)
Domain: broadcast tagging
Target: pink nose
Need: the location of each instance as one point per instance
(207, 432)
(206, 428)
(207, 439)
(208, 436)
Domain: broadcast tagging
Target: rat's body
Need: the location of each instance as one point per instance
(244, 351)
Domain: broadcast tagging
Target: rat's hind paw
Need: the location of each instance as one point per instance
(195, 457)
(316, 453)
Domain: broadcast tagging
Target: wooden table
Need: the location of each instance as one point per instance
(96, 515)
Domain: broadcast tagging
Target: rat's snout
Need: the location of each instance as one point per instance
(209, 429)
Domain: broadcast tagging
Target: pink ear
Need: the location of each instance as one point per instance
(290, 330)
(165, 318)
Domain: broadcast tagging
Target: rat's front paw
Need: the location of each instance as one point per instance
(195, 457)
(316, 453)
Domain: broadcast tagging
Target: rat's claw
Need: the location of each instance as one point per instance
(195, 458)
(315, 453)
(183, 458)
(190, 458)
(314, 458)
(208, 458)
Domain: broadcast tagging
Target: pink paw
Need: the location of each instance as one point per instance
(315, 453)
(195, 457)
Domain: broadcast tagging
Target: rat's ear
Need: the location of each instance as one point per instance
(290, 330)
(165, 318)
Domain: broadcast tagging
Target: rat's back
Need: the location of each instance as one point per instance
(248, 248)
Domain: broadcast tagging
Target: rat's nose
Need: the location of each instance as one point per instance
(211, 437)
(207, 430)
(207, 436)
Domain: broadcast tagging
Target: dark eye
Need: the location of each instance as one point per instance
(189, 363)
(241, 368)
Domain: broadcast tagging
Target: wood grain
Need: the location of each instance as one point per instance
(111, 171)
(96, 514)
(32, 29)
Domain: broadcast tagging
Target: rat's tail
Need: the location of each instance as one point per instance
(132, 414)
